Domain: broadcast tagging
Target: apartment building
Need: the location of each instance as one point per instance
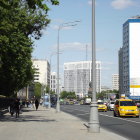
(129, 58)
(53, 84)
(77, 76)
(42, 71)
(115, 81)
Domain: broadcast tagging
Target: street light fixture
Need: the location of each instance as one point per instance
(94, 118)
(68, 24)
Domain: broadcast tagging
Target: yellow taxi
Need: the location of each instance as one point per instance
(101, 106)
(125, 107)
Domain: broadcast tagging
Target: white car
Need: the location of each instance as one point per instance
(111, 105)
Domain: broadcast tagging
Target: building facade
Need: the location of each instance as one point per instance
(115, 81)
(42, 71)
(77, 76)
(53, 84)
(129, 58)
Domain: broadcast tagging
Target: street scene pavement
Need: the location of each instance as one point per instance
(46, 124)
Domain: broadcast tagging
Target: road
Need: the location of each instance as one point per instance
(127, 127)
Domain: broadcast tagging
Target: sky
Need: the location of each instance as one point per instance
(110, 16)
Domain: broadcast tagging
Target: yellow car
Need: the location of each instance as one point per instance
(102, 106)
(125, 107)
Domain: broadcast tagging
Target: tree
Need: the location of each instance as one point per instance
(24, 20)
(68, 95)
(37, 89)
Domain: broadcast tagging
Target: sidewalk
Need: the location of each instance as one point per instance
(46, 124)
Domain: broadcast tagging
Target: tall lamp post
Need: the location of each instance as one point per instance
(94, 118)
(49, 106)
(59, 28)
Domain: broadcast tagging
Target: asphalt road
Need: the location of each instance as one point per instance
(127, 127)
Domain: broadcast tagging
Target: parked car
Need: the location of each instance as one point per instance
(125, 107)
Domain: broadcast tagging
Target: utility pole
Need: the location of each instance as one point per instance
(94, 118)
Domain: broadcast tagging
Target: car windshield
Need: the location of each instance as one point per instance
(112, 102)
(100, 103)
(127, 103)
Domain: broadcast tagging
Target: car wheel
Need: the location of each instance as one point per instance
(137, 116)
(119, 114)
(114, 114)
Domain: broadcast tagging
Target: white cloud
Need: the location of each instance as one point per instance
(72, 46)
(90, 2)
(122, 4)
(77, 46)
(55, 27)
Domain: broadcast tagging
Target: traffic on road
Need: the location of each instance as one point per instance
(127, 127)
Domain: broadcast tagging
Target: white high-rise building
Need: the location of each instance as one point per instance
(129, 58)
(42, 71)
(115, 81)
(77, 76)
(53, 84)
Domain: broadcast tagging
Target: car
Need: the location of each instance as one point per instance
(125, 107)
(111, 105)
(102, 106)
(137, 103)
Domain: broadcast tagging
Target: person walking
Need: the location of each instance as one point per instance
(36, 104)
(11, 107)
(17, 107)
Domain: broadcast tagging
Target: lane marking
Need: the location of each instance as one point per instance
(75, 109)
(119, 118)
(82, 114)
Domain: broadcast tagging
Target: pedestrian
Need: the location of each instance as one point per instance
(33, 103)
(36, 104)
(17, 107)
(27, 103)
(12, 107)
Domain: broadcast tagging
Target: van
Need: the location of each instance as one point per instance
(125, 107)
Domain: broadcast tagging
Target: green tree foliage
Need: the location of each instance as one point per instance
(107, 93)
(68, 95)
(20, 20)
(37, 89)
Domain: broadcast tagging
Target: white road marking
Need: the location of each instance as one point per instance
(82, 114)
(119, 118)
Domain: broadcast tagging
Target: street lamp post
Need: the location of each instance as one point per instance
(60, 27)
(49, 106)
(58, 102)
(94, 118)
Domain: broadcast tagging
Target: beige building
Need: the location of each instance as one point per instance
(115, 81)
(42, 71)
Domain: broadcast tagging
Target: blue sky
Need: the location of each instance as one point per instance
(110, 16)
